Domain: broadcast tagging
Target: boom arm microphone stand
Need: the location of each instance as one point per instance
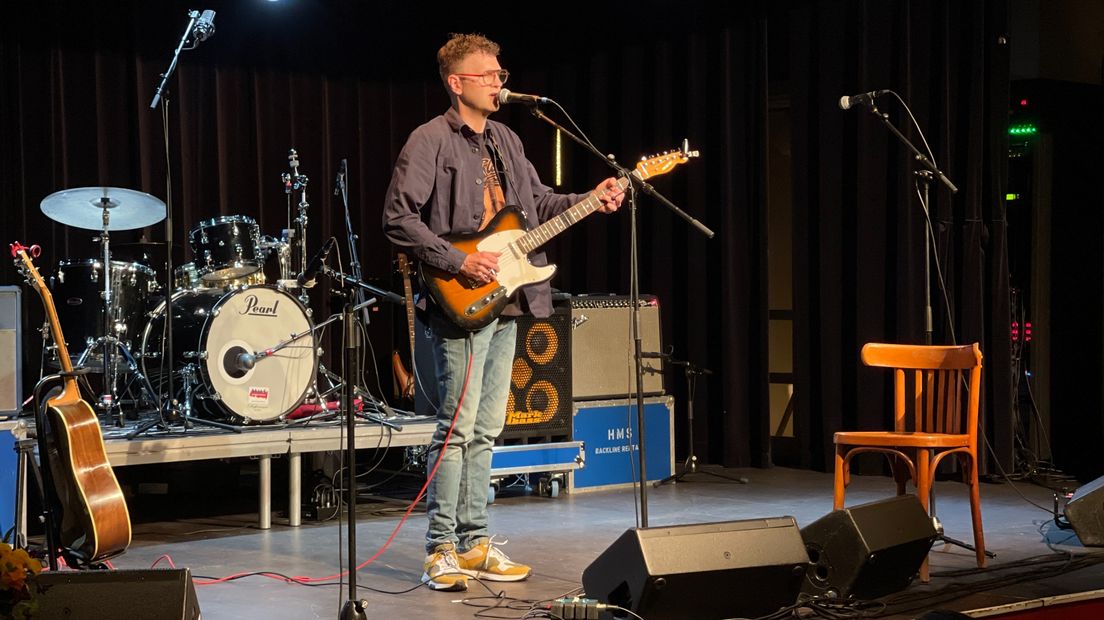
(925, 176)
(634, 286)
(199, 28)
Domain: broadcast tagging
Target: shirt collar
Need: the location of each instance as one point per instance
(458, 125)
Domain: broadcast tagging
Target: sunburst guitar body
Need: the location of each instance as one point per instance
(473, 305)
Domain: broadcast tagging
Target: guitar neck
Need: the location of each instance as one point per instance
(51, 316)
(544, 233)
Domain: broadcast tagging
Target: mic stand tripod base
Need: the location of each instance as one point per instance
(947, 540)
(354, 610)
(691, 467)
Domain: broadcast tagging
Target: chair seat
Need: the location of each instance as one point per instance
(907, 439)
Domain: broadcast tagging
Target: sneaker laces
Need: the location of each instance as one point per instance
(446, 562)
(493, 550)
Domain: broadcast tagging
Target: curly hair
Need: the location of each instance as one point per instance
(458, 47)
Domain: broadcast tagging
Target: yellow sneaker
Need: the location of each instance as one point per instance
(487, 561)
(442, 571)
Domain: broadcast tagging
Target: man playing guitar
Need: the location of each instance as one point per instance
(453, 175)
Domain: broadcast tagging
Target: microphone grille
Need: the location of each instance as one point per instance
(504, 95)
(845, 103)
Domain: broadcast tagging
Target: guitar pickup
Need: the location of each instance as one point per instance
(486, 301)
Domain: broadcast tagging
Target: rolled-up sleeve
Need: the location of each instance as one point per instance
(411, 189)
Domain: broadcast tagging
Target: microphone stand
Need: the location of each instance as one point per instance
(166, 410)
(354, 608)
(634, 289)
(689, 467)
(925, 177)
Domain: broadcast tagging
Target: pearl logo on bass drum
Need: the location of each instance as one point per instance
(253, 307)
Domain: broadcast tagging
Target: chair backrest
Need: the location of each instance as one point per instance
(936, 390)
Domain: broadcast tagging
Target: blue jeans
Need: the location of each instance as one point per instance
(456, 500)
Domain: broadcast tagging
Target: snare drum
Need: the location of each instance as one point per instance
(226, 247)
(212, 331)
(187, 277)
(78, 290)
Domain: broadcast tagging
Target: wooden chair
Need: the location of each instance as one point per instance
(931, 429)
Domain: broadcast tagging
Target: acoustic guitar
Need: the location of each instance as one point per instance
(94, 523)
(472, 304)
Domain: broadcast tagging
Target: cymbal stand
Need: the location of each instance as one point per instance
(109, 344)
(690, 466)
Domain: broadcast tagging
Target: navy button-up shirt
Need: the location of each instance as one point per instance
(437, 189)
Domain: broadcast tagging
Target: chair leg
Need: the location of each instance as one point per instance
(840, 484)
(975, 511)
(900, 473)
(923, 490)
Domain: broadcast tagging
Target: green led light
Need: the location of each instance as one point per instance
(1022, 130)
(1011, 196)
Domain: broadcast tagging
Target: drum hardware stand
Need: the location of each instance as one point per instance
(298, 181)
(109, 344)
(690, 466)
(184, 413)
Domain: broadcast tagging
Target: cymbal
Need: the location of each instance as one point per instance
(83, 207)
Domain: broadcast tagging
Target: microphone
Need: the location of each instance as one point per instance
(846, 102)
(205, 26)
(505, 96)
(246, 361)
(340, 182)
(316, 263)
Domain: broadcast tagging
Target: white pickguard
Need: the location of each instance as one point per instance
(514, 268)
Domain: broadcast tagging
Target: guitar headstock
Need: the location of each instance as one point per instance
(663, 163)
(23, 256)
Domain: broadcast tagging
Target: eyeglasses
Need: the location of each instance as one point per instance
(487, 78)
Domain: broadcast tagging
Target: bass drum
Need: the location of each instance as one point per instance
(212, 330)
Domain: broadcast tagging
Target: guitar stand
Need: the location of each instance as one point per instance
(690, 466)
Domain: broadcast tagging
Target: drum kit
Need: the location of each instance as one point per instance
(243, 351)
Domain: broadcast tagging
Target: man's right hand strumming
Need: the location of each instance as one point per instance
(480, 266)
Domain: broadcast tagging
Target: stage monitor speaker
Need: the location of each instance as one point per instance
(699, 572)
(869, 550)
(131, 594)
(1085, 512)
(11, 353)
(602, 348)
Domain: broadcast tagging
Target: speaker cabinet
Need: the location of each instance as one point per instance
(698, 572)
(131, 594)
(11, 353)
(602, 348)
(1085, 512)
(540, 382)
(869, 550)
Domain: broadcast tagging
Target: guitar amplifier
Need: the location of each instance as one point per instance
(11, 353)
(602, 349)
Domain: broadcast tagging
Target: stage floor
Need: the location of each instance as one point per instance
(559, 537)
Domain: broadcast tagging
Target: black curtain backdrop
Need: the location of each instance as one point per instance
(352, 79)
(859, 227)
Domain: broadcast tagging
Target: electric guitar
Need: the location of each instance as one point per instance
(94, 522)
(404, 379)
(471, 304)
